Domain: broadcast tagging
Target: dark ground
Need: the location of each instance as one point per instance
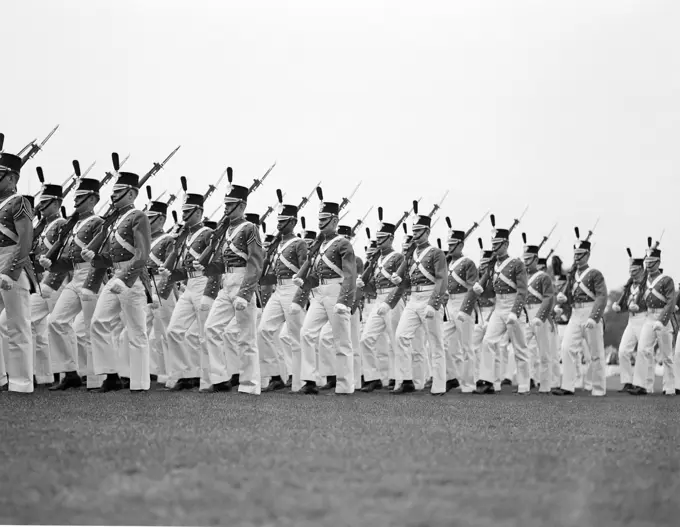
(379, 459)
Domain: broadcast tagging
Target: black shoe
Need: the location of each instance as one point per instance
(4, 387)
(275, 383)
(506, 382)
(181, 384)
(112, 383)
(125, 382)
(532, 385)
(428, 384)
(406, 387)
(561, 391)
(626, 387)
(677, 391)
(235, 380)
(219, 387)
(372, 385)
(330, 383)
(153, 377)
(309, 388)
(390, 384)
(289, 382)
(452, 384)
(70, 380)
(484, 388)
(637, 390)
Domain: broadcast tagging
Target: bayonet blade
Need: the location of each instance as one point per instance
(84, 174)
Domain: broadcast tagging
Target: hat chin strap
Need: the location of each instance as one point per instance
(114, 201)
(328, 222)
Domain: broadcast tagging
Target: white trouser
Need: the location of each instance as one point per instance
(127, 307)
(325, 361)
(230, 344)
(491, 345)
(287, 344)
(16, 352)
(376, 350)
(321, 311)
(421, 357)
(184, 354)
(355, 336)
(577, 339)
(222, 312)
(556, 344)
(458, 344)
(629, 342)
(645, 357)
(61, 328)
(539, 341)
(157, 322)
(407, 356)
(274, 315)
(676, 363)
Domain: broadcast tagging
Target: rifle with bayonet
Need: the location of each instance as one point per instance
(449, 254)
(31, 149)
(358, 224)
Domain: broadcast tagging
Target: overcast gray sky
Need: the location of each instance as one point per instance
(571, 107)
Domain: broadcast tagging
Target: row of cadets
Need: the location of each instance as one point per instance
(378, 352)
(192, 307)
(69, 323)
(539, 331)
(123, 299)
(239, 264)
(584, 333)
(426, 279)
(332, 283)
(459, 326)
(17, 280)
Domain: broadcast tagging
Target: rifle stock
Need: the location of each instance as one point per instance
(64, 232)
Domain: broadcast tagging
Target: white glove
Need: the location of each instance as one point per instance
(477, 288)
(360, 282)
(240, 304)
(117, 286)
(206, 303)
(616, 308)
(295, 308)
(395, 279)
(429, 311)
(6, 283)
(340, 309)
(87, 255)
(658, 326)
(298, 281)
(200, 268)
(676, 308)
(383, 309)
(87, 295)
(45, 263)
(461, 316)
(537, 322)
(590, 324)
(165, 273)
(512, 318)
(633, 308)
(46, 291)
(561, 298)
(558, 310)
(155, 301)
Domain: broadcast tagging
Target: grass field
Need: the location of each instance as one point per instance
(378, 459)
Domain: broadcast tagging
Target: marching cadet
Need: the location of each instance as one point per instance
(510, 286)
(585, 331)
(42, 303)
(17, 280)
(78, 295)
(124, 297)
(659, 298)
(481, 306)
(382, 319)
(240, 260)
(160, 311)
(332, 282)
(183, 359)
(458, 329)
(539, 306)
(290, 253)
(630, 301)
(427, 278)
